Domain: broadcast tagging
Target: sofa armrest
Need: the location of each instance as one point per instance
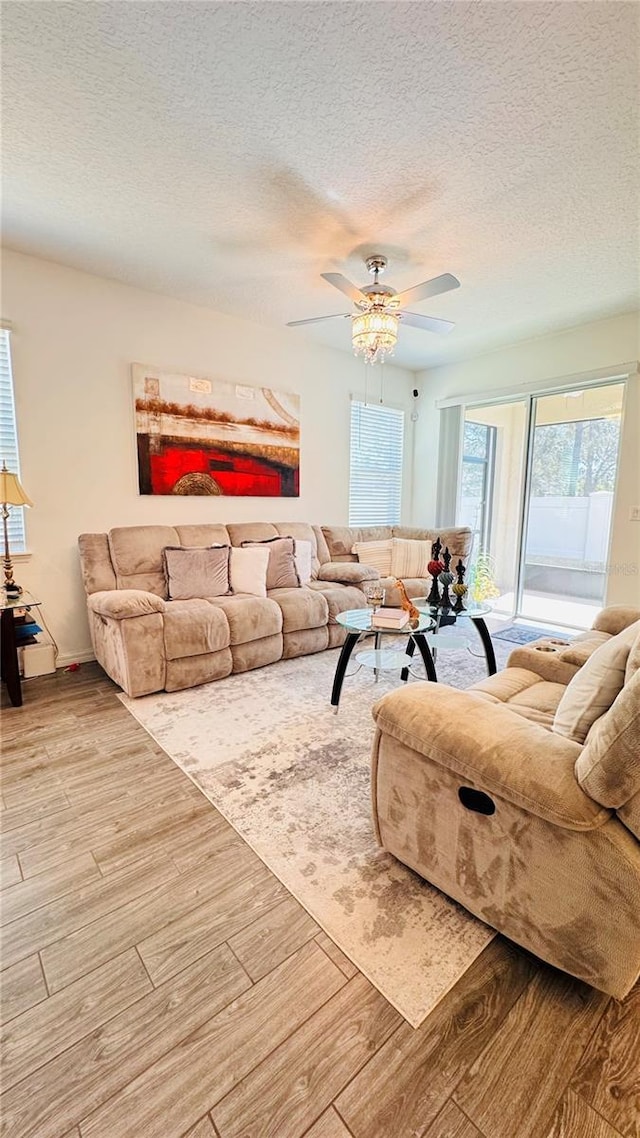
(494, 748)
(121, 604)
(347, 572)
(549, 665)
(615, 618)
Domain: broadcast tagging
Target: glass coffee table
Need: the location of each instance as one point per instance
(358, 624)
(443, 617)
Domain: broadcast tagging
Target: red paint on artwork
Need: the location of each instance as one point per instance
(233, 474)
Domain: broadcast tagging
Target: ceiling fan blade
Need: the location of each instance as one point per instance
(427, 323)
(345, 286)
(316, 319)
(433, 287)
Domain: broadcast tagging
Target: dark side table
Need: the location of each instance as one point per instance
(8, 641)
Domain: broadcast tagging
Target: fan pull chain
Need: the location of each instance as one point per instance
(382, 382)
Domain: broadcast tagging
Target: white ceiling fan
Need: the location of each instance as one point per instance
(380, 308)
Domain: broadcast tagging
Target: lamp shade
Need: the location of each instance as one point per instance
(11, 492)
(374, 334)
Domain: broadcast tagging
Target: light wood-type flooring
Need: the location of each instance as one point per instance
(159, 982)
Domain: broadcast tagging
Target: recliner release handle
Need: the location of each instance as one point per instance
(476, 800)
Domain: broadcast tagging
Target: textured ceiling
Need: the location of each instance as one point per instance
(227, 153)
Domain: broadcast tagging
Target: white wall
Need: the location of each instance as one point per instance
(74, 338)
(542, 360)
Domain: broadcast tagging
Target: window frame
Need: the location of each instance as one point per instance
(9, 442)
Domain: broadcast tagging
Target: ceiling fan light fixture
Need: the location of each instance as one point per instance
(374, 334)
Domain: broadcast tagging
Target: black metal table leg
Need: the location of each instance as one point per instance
(9, 668)
(427, 659)
(487, 643)
(411, 647)
(343, 660)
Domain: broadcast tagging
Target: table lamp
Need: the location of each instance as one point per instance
(11, 494)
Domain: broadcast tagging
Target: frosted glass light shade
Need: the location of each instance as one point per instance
(374, 334)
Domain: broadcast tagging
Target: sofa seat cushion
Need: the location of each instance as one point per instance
(339, 598)
(249, 618)
(415, 586)
(523, 692)
(301, 608)
(192, 628)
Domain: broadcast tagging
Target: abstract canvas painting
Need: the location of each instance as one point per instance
(213, 436)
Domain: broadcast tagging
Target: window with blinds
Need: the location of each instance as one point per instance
(9, 440)
(375, 481)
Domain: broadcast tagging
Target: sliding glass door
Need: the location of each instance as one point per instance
(574, 442)
(536, 486)
(490, 500)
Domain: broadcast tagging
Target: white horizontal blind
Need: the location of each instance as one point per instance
(9, 442)
(375, 483)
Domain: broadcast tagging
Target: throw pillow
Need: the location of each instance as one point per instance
(409, 558)
(281, 570)
(595, 687)
(375, 553)
(195, 573)
(248, 570)
(303, 556)
(633, 661)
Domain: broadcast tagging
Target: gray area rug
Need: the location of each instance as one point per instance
(518, 634)
(293, 779)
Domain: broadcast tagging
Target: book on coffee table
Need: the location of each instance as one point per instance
(389, 618)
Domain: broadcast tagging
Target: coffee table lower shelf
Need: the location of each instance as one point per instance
(416, 639)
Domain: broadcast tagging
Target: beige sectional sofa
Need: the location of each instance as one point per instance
(520, 797)
(340, 541)
(148, 643)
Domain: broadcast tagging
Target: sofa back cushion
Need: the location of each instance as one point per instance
(137, 556)
(459, 539)
(341, 539)
(593, 689)
(240, 532)
(193, 574)
(95, 561)
(608, 769)
(203, 535)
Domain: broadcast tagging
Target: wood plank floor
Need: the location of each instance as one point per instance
(158, 982)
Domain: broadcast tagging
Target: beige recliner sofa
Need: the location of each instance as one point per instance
(534, 832)
(148, 643)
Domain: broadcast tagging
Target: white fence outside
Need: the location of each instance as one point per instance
(570, 529)
(561, 530)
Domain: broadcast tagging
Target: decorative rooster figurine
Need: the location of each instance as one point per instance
(406, 602)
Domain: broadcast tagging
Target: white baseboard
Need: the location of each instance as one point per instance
(66, 658)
